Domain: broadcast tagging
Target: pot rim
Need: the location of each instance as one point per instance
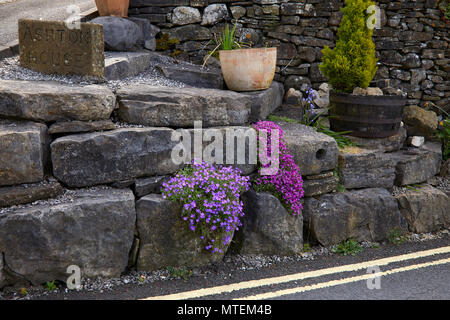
(251, 49)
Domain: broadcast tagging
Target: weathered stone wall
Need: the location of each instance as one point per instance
(412, 43)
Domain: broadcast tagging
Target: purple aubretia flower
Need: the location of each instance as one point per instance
(287, 183)
(211, 201)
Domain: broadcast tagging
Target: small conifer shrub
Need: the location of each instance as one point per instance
(352, 63)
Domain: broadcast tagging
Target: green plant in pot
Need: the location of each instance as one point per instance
(352, 64)
(244, 68)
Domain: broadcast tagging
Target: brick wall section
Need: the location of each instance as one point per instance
(413, 43)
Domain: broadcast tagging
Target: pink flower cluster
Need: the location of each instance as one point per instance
(287, 183)
(211, 201)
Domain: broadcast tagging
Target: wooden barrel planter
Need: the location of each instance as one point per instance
(366, 116)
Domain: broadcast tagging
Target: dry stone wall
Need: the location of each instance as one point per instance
(412, 43)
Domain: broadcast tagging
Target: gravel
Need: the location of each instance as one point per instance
(440, 183)
(11, 70)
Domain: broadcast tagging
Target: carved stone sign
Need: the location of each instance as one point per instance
(51, 47)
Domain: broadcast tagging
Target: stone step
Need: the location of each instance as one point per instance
(23, 152)
(104, 157)
(160, 106)
(267, 227)
(120, 65)
(417, 165)
(426, 209)
(47, 101)
(361, 168)
(313, 152)
(123, 155)
(390, 144)
(193, 75)
(92, 229)
(364, 215)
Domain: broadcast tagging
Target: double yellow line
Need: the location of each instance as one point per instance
(312, 274)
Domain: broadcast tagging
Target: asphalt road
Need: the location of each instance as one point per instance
(417, 271)
(11, 12)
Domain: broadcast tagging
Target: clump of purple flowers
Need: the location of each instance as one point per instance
(211, 201)
(287, 183)
(309, 107)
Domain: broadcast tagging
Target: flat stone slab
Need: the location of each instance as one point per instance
(160, 106)
(265, 102)
(234, 146)
(361, 168)
(426, 209)
(28, 193)
(91, 229)
(120, 65)
(317, 187)
(146, 186)
(267, 227)
(165, 239)
(23, 152)
(104, 157)
(193, 75)
(417, 165)
(46, 101)
(66, 127)
(390, 144)
(364, 215)
(313, 152)
(51, 47)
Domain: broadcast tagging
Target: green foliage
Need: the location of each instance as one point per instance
(166, 43)
(444, 135)
(348, 247)
(50, 285)
(397, 237)
(306, 247)
(444, 5)
(179, 273)
(340, 187)
(352, 63)
(342, 141)
(227, 40)
(414, 187)
(274, 118)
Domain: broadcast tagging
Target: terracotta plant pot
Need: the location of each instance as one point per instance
(248, 69)
(118, 8)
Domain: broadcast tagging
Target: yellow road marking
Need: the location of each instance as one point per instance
(295, 277)
(333, 283)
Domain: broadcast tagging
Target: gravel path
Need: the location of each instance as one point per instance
(11, 70)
